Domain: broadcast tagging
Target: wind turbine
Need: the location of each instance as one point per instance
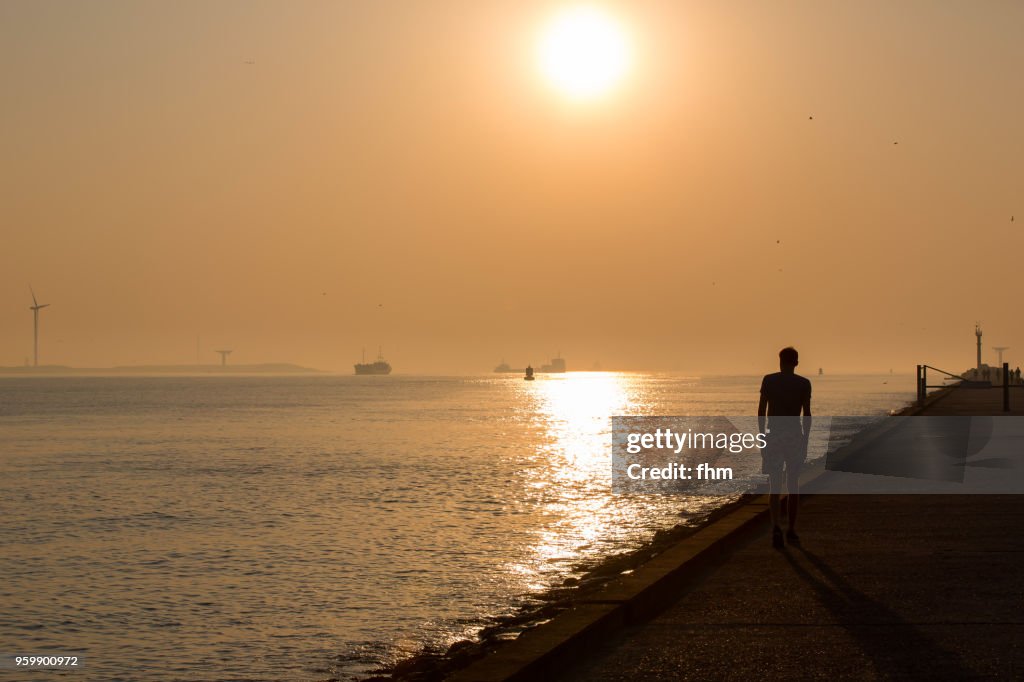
(35, 308)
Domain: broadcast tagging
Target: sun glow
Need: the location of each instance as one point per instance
(584, 52)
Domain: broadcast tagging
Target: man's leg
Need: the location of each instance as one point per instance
(793, 495)
(774, 497)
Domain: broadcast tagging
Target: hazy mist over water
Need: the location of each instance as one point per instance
(298, 528)
(297, 181)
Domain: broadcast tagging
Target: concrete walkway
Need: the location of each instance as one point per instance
(975, 402)
(893, 587)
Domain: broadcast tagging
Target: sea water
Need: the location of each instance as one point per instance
(308, 528)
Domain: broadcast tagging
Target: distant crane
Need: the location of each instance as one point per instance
(35, 308)
(1000, 349)
(223, 357)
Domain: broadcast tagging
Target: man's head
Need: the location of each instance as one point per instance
(788, 359)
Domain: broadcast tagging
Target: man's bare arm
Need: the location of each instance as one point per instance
(762, 410)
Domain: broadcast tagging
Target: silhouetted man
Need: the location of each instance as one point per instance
(784, 395)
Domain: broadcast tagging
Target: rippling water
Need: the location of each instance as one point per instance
(280, 528)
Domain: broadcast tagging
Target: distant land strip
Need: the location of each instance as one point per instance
(267, 368)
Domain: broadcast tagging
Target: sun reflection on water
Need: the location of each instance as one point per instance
(576, 409)
(570, 472)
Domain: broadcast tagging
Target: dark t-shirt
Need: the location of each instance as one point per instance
(786, 393)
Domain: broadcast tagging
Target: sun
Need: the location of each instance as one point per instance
(584, 52)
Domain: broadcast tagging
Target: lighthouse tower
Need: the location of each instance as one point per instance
(977, 332)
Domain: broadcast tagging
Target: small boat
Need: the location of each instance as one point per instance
(529, 373)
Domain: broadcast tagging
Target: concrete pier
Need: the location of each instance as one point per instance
(881, 587)
(976, 402)
(901, 587)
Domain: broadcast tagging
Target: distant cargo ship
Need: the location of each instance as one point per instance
(504, 368)
(557, 366)
(380, 366)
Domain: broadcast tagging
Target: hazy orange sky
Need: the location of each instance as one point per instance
(399, 173)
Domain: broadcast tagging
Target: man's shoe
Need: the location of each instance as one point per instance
(777, 538)
(792, 538)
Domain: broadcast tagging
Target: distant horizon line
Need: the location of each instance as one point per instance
(292, 368)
